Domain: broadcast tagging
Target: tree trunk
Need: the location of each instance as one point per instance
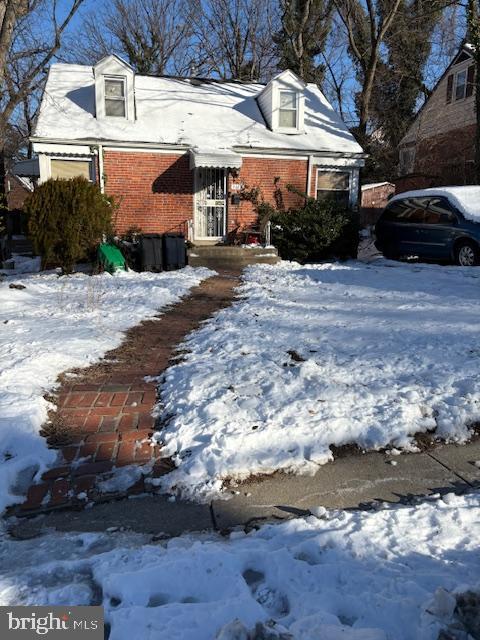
(474, 38)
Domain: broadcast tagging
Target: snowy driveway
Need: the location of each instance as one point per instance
(316, 356)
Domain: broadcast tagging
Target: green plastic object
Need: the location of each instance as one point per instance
(110, 258)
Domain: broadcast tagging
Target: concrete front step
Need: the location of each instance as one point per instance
(231, 257)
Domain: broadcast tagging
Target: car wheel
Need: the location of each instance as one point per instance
(467, 254)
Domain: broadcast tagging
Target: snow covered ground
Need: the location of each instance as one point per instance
(386, 575)
(54, 324)
(313, 356)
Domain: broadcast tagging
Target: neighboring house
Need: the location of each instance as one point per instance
(439, 147)
(17, 189)
(177, 153)
(374, 200)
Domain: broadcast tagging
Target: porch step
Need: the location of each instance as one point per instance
(228, 257)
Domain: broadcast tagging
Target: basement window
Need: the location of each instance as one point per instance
(334, 185)
(115, 98)
(68, 169)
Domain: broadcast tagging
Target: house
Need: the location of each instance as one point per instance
(374, 199)
(177, 153)
(439, 147)
(17, 188)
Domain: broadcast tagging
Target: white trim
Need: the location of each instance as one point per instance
(273, 156)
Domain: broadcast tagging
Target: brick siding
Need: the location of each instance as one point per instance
(444, 159)
(155, 190)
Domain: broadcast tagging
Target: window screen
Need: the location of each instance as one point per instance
(288, 109)
(68, 169)
(115, 98)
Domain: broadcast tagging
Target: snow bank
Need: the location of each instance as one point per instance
(465, 199)
(323, 355)
(54, 324)
(390, 574)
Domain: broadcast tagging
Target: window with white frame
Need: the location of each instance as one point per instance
(334, 185)
(115, 98)
(288, 116)
(68, 169)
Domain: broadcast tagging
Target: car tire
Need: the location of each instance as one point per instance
(467, 254)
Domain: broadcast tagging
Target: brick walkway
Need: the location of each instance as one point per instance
(103, 419)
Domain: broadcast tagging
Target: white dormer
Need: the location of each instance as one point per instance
(282, 102)
(114, 89)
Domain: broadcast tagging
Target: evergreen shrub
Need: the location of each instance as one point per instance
(67, 219)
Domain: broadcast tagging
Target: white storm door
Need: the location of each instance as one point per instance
(210, 203)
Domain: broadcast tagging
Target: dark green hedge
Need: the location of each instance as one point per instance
(67, 220)
(318, 231)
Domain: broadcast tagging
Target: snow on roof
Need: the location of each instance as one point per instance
(184, 111)
(465, 199)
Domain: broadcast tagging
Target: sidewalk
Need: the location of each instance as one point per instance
(104, 417)
(353, 481)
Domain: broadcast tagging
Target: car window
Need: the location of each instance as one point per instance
(416, 210)
(440, 211)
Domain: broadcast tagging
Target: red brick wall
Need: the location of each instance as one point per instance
(446, 159)
(261, 172)
(155, 190)
(373, 202)
(16, 193)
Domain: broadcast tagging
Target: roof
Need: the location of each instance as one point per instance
(188, 112)
(465, 199)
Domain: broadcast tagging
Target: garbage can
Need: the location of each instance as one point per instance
(110, 258)
(174, 251)
(151, 252)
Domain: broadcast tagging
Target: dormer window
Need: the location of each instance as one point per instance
(114, 89)
(288, 109)
(282, 103)
(115, 98)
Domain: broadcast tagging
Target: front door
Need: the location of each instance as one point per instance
(210, 203)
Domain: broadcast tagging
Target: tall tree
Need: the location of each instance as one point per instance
(399, 82)
(366, 25)
(153, 35)
(234, 38)
(305, 28)
(31, 35)
(473, 36)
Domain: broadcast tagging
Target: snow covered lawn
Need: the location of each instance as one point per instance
(385, 575)
(323, 355)
(54, 324)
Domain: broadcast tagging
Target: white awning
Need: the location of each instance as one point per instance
(216, 158)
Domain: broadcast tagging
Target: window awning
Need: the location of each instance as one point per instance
(216, 158)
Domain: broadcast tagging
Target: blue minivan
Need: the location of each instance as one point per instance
(436, 224)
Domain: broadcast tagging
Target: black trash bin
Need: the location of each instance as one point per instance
(174, 251)
(151, 252)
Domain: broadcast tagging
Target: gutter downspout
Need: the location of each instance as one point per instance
(309, 174)
(100, 168)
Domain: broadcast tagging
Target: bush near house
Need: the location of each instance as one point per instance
(67, 219)
(317, 231)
